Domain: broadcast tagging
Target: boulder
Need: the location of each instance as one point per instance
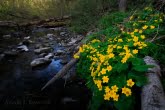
(40, 61)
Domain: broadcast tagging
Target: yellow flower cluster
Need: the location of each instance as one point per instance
(120, 49)
(127, 91)
(111, 93)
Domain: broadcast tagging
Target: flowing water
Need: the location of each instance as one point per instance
(20, 84)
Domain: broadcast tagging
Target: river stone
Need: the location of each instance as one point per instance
(62, 33)
(26, 38)
(11, 53)
(40, 61)
(2, 56)
(6, 36)
(64, 61)
(23, 48)
(42, 50)
(49, 56)
(60, 52)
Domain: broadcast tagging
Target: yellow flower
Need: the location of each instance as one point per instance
(109, 68)
(98, 83)
(135, 39)
(135, 51)
(124, 60)
(107, 96)
(102, 58)
(119, 47)
(114, 46)
(103, 71)
(111, 55)
(142, 36)
(136, 30)
(107, 89)
(120, 40)
(140, 31)
(130, 83)
(116, 97)
(156, 20)
(145, 27)
(126, 91)
(152, 27)
(105, 79)
(76, 56)
(112, 94)
(115, 88)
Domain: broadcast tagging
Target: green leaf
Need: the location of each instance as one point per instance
(141, 68)
(125, 103)
(119, 80)
(140, 78)
(119, 67)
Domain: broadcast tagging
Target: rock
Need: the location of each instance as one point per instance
(50, 35)
(42, 55)
(26, 38)
(75, 40)
(26, 42)
(49, 56)
(56, 29)
(23, 48)
(64, 61)
(11, 53)
(37, 46)
(62, 33)
(2, 56)
(42, 50)
(40, 61)
(66, 100)
(59, 52)
(6, 36)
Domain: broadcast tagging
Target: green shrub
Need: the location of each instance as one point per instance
(113, 66)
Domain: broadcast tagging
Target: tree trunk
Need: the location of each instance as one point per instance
(122, 5)
(152, 97)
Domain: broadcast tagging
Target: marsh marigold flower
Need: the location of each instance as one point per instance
(114, 88)
(116, 97)
(126, 91)
(105, 79)
(109, 68)
(107, 96)
(130, 83)
(152, 27)
(145, 27)
(135, 51)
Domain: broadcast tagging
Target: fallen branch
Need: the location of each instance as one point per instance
(152, 97)
(61, 73)
(66, 68)
(60, 21)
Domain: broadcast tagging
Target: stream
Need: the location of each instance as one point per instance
(21, 83)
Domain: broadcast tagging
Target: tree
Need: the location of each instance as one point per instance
(122, 5)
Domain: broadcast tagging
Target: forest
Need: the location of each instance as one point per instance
(82, 54)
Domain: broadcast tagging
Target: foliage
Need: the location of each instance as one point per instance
(33, 9)
(84, 15)
(113, 65)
